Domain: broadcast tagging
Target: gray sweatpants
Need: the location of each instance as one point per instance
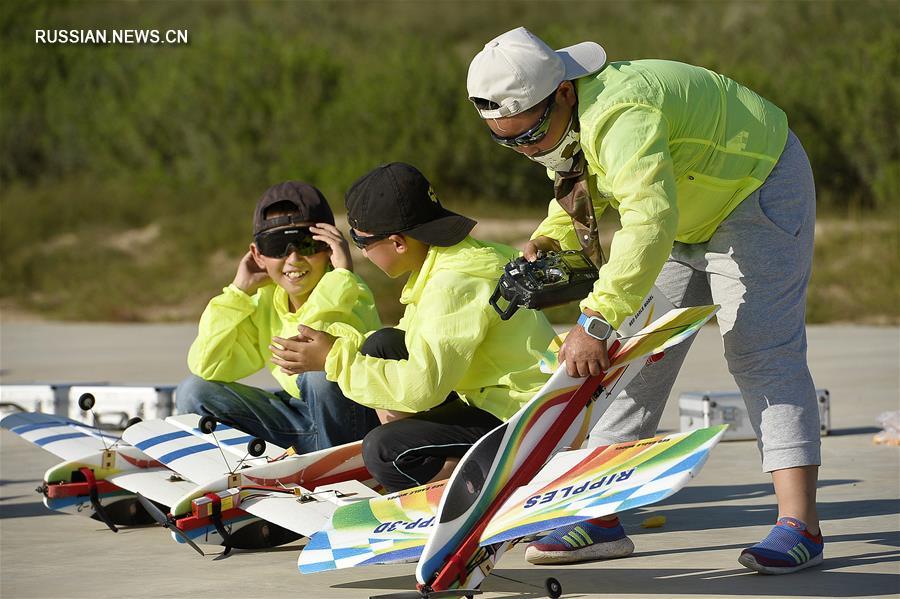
(757, 267)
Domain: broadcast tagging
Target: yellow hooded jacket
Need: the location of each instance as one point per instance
(456, 340)
(674, 148)
(236, 329)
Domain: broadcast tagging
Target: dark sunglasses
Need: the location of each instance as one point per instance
(277, 243)
(533, 135)
(363, 242)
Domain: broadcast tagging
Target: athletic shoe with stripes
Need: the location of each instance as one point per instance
(589, 540)
(788, 548)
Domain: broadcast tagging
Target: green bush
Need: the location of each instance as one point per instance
(96, 140)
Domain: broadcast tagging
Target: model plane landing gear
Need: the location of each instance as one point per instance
(207, 425)
(256, 447)
(86, 402)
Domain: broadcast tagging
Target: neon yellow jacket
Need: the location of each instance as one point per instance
(235, 329)
(456, 340)
(674, 149)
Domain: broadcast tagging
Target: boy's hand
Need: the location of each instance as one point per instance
(340, 251)
(250, 276)
(542, 244)
(385, 416)
(302, 353)
(584, 355)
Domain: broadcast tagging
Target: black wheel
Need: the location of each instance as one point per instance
(134, 420)
(554, 589)
(86, 402)
(256, 447)
(207, 424)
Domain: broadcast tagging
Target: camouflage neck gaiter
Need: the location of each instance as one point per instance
(571, 191)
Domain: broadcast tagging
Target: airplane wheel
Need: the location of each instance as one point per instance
(554, 589)
(256, 447)
(207, 424)
(86, 402)
(134, 420)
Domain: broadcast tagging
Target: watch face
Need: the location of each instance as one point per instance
(599, 329)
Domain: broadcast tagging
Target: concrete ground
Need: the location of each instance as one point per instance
(729, 506)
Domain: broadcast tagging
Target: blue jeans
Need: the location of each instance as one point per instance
(323, 417)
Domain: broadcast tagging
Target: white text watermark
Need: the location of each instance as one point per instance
(111, 36)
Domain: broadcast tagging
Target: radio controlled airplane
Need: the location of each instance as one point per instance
(514, 482)
(182, 462)
(238, 500)
(100, 474)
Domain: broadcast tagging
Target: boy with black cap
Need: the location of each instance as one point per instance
(298, 271)
(452, 370)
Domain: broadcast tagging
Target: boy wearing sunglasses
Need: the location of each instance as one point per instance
(717, 205)
(297, 271)
(452, 370)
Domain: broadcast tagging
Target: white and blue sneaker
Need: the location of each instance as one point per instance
(589, 540)
(788, 547)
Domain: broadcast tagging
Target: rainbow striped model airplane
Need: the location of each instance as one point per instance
(524, 477)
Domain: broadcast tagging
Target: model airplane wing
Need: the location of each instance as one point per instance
(303, 512)
(157, 484)
(63, 437)
(178, 444)
(379, 531)
(589, 483)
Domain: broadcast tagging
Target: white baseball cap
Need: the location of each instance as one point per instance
(517, 70)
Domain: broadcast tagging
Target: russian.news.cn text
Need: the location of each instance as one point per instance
(111, 36)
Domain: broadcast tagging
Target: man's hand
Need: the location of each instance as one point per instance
(340, 251)
(539, 244)
(250, 275)
(304, 352)
(583, 354)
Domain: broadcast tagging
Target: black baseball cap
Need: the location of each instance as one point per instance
(310, 204)
(397, 198)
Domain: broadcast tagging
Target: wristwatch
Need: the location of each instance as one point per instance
(595, 326)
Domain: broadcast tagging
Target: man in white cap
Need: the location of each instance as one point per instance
(717, 204)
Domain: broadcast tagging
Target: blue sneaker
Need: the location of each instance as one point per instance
(589, 540)
(788, 548)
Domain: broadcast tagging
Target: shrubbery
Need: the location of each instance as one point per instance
(99, 138)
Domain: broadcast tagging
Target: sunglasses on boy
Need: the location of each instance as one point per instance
(278, 243)
(363, 242)
(534, 134)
